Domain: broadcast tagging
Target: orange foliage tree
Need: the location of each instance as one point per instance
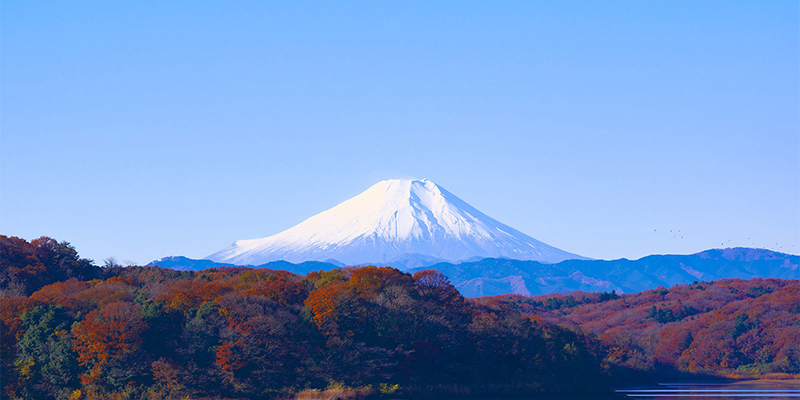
(107, 335)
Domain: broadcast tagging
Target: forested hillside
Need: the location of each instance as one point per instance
(729, 327)
(74, 330)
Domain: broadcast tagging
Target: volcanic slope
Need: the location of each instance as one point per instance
(395, 220)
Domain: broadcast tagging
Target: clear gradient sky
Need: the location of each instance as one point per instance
(146, 129)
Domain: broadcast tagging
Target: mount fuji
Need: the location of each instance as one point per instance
(395, 220)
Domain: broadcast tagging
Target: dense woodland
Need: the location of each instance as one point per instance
(71, 329)
(74, 330)
(730, 327)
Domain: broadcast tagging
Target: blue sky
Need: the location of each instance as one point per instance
(146, 129)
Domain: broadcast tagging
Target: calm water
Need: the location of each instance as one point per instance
(759, 390)
(704, 391)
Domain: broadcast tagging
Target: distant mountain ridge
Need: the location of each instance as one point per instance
(496, 276)
(398, 222)
(189, 264)
(489, 277)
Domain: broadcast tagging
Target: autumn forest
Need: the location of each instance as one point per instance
(71, 329)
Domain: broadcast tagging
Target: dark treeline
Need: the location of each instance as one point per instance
(74, 330)
(729, 327)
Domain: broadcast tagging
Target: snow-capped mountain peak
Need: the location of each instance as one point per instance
(390, 220)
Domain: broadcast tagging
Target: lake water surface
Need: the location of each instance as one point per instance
(761, 390)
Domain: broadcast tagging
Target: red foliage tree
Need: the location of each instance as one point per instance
(190, 294)
(108, 333)
(282, 288)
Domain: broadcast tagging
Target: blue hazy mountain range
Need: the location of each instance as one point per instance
(190, 264)
(496, 276)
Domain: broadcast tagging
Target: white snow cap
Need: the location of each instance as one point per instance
(394, 219)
